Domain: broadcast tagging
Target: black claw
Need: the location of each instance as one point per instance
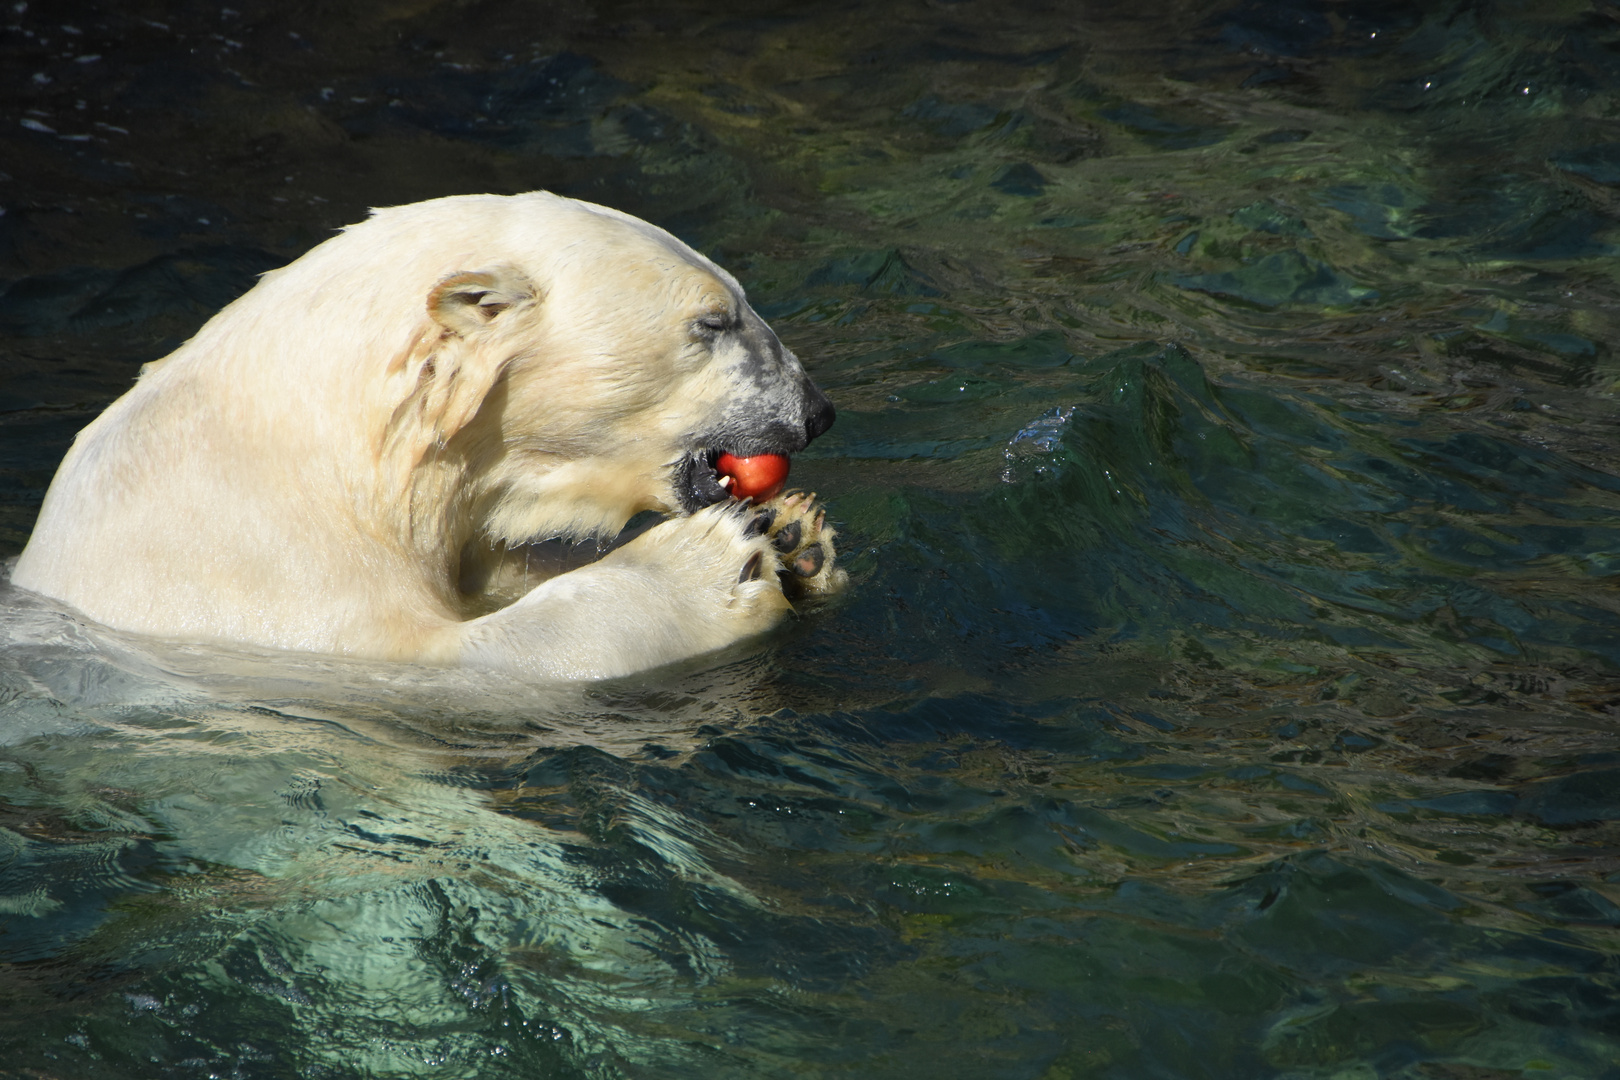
(750, 570)
(788, 538)
(809, 562)
(760, 522)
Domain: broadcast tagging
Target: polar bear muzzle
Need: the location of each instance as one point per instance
(774, 409)
(697, 479)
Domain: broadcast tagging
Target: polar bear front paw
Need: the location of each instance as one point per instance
(802, 543)
(687, 586)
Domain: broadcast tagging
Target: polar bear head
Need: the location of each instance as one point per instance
(568, 367)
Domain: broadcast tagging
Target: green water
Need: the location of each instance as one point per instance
(1226, 465)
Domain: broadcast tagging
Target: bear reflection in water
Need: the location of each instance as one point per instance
(340, 460)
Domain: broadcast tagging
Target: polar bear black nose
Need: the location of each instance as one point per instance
(821, 419)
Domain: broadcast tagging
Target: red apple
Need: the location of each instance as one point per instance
(759, 477)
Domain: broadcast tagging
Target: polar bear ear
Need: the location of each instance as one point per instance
(445, 381)
(469, 301)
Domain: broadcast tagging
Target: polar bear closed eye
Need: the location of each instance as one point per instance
(319, 468)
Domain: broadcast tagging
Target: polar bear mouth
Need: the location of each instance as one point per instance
(697, 480)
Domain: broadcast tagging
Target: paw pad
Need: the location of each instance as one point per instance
(787, 537)
(799, 532)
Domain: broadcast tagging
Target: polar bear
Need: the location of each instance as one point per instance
(319, 467)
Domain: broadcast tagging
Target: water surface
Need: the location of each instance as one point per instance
(1226, 467)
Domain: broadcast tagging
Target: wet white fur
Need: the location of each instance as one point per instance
(303, 473)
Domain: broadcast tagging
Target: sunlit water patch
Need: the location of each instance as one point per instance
(1225, 465)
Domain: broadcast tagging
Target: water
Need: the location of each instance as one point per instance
(1225, 463)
